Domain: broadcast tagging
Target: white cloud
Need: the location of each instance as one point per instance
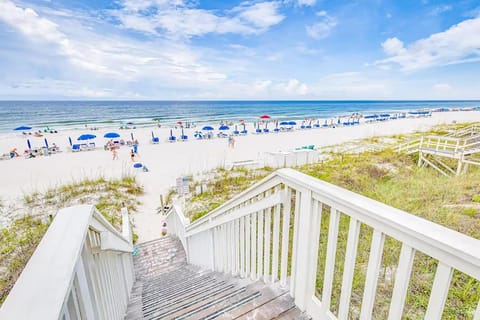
(79, 51)
(293, 87)
(440, 9)
(307, 3)
(262, 15)
(458, 44)
(181, 19)
(322, 28)
(442, 87)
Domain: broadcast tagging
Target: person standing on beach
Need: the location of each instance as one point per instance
(114, 152)
(132, 155)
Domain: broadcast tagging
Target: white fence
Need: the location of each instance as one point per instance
(82, 269)
(271, 232)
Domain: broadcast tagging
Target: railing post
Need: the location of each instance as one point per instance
(304, 262)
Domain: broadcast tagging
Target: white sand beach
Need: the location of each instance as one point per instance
(168, 161)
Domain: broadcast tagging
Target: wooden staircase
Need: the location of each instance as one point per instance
(449, 155)
(167, 287)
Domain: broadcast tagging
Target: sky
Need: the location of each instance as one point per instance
(245, 50)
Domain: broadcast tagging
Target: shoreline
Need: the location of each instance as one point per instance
(168, 161)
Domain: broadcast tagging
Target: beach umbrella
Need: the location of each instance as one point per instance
(223, 128)
(292, 123)
(70, 140)
(265, 116)
(207, 128)
(180, 122)
(130, 123)
(23, 128)
(87, 137)
(29, 144)
(111, 135)
(46, 143)
(284, 123)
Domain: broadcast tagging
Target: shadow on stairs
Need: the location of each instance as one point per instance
(167, 287)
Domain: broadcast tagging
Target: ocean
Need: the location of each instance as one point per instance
(70, 114)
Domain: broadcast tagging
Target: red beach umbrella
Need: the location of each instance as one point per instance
(265, 116)
(179, 122)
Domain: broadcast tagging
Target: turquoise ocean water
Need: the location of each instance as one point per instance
(69, 114)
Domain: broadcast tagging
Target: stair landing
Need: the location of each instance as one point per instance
(167, 287)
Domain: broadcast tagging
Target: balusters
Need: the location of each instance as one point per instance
(242, 247)
(330, 259)
(373, 268)
(247, 245)
(285, 235)
(439, 293)
(260, 245)
(253, 255)
(276, 240)
(349, 268)
(295, 241)
(402, 279)
(266, 250)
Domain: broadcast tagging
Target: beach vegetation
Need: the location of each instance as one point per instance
(222, 185)
(19, 239)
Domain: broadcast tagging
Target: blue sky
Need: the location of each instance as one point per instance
(290, 49)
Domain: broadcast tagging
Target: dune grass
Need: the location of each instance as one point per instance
(19, 240)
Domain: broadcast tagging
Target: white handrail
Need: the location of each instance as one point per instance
(80, 265)
(243, 237)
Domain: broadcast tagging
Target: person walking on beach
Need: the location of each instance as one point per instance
(114, 153)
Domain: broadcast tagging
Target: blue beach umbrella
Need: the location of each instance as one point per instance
(29, 145)
(86, 137)
(223, 128)
(46, 143)
(23, 128)
(292, 123)
(111, 135)
(207, 128)
(284, 123)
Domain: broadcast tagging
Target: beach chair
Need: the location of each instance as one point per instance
(258, 131)
(276, 130)
(236, 133)
(91, 146)
(243, 132)
(266, 130)
(184, 138)
(172, 139)
(75, 147)
(155, 140)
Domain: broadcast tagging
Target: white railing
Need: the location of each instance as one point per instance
(82, 269)
(271, 232)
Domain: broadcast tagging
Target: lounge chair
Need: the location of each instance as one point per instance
(244, 132)
(258, 131)
(155, 140)
(276, 130)
(184, 138)
(172, 139)
(75, 147)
